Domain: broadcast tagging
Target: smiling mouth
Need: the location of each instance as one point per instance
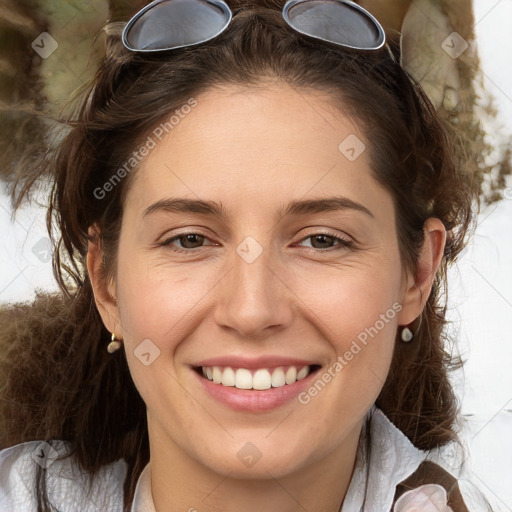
(259, 379)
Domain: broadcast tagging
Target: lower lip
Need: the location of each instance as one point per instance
(251, 400)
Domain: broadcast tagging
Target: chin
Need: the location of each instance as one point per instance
(260, 460)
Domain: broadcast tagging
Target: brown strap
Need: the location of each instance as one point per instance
(431, 473)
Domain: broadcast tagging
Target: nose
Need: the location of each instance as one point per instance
(254, 300)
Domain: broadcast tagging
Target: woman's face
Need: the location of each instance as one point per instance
(255, 242)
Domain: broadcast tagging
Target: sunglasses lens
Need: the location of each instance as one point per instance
(338, 22)
(176, 23)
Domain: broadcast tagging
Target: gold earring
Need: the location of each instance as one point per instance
(113, 345)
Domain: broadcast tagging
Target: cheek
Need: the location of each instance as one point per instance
(350, 299)
(161, 301)
(358, 309)
(156, 302)
(156, 307)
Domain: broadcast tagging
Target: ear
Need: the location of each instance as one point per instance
(104, 292)
(419, 285)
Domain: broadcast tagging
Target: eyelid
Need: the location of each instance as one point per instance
(167, 239)
(318, 231)
(344, 241)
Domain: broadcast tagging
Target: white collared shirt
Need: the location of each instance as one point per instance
(393, 458)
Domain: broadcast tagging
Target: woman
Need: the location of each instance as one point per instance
(257, 215)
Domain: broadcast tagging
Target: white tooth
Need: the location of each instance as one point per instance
(291, 375)
(243, 379)
(217, 375)
(228, 377)
(302, 373)
(209, 373)
(203, 370)
(262, 380)
(278, 378)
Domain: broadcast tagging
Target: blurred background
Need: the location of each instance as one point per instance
(459, 51)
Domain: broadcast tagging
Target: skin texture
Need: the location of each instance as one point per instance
(254, 151)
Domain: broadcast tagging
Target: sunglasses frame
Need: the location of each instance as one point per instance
(229, 15)
(382, 35)
(217, 3)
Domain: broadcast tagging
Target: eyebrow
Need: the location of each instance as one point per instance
(211, 208)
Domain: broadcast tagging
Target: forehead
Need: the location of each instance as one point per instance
(245, 143)
(272, 117)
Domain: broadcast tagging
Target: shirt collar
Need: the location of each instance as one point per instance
(143, 499)
(393, 458)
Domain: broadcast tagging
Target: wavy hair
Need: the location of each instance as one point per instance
(57, 379)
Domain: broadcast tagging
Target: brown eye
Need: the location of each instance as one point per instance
(327, 241)
(324, 241)
(184, 242)
(191, 240)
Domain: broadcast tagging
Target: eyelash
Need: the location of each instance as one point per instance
(343, 243)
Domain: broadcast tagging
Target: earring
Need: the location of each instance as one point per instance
(113, 345)
(406, 334)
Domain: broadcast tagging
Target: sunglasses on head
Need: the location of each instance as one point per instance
(169, 24)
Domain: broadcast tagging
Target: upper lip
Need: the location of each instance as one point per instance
(252, 363)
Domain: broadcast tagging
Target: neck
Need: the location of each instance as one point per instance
(181, 483)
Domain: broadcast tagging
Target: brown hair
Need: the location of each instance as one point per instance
(59, 382)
